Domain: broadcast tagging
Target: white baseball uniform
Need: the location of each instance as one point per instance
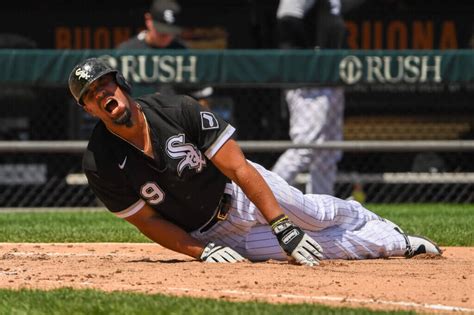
(344, 229)
(316, 115)
(299, 8)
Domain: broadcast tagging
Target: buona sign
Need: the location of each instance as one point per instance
(390, 69)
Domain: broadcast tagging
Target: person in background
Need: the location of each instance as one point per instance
(162, 31)
(162, 28)
(316, 113)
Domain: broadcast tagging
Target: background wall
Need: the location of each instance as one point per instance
(372, 24)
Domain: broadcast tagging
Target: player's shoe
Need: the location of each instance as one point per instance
(420, 245)
(416, 244)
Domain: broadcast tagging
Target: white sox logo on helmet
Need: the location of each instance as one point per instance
(168, 16)
(82, 74)
(190, 156)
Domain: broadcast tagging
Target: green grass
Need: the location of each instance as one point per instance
(66, 226)
(447, 224)
(71, 302)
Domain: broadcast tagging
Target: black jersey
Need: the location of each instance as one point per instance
(138, 42)
(180, 183)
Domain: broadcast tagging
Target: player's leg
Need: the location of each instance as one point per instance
(345, 229)
(375, 239)
(316, 212)
(323, 169)
(323, 173)
(308, 110)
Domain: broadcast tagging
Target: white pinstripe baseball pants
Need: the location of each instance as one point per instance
(316, 115)
(344, 229)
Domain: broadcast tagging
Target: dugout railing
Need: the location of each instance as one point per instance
(378, 187)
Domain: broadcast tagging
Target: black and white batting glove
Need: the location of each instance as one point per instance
(220, 254)
(296, 243)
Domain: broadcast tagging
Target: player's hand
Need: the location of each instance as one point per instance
(220, 254)
(296, 243)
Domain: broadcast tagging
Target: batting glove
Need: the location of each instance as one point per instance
(296, 243)
(220, 254)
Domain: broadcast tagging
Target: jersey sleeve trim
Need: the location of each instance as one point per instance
(223, 137)
(134, 208)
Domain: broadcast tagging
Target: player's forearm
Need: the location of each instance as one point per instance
(171, 236)
(231, 161)
(257, 190)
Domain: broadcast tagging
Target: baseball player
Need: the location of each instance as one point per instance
(161, 28)
(316, 114)
(162, 32)
(171, 168)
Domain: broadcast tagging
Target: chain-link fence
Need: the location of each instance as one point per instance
(260, 113)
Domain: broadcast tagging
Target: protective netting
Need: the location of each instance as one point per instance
(259, 113)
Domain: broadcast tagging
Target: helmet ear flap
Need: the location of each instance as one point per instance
(123, 83)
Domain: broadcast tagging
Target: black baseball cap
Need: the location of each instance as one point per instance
(165, 14)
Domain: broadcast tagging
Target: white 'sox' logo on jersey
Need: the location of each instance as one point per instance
(190, 156)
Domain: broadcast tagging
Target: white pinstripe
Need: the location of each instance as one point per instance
(344, 229)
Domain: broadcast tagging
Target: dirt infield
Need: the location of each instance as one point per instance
(426, 284)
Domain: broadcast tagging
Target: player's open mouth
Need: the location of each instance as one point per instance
(110, 105)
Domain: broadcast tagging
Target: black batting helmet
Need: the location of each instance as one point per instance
(88, 71)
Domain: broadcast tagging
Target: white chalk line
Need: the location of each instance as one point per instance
(282, 295)
(36, 254)
(336, 299)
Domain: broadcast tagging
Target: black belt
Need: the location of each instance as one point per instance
(221, 214)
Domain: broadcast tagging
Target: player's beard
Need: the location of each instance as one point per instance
(125, 118)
